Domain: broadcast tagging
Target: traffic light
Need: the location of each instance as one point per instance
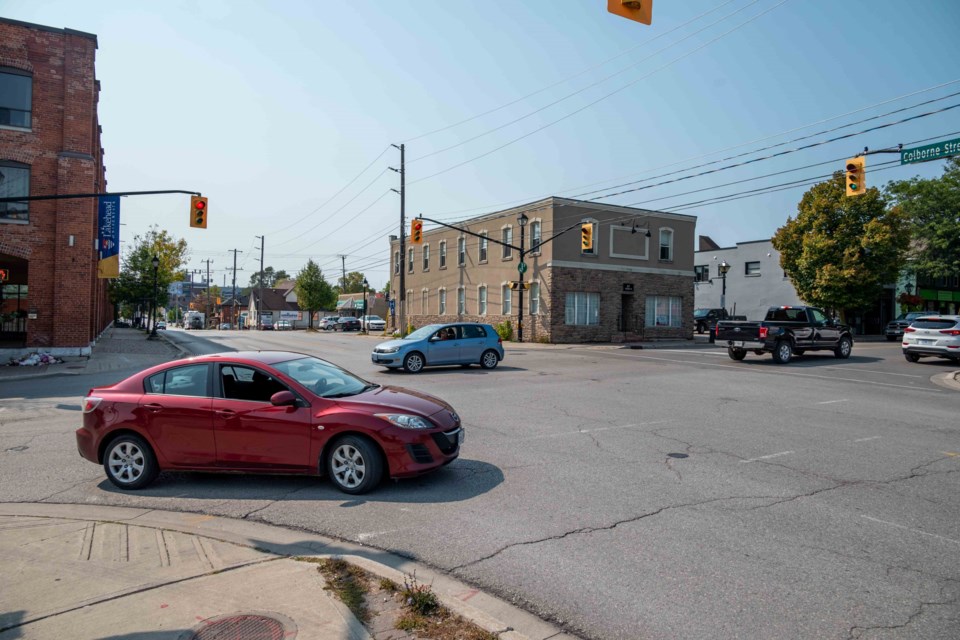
(586, 236)
(638, 10)
(4, 275)
(416, 231)
(198, 212)
(856, 176)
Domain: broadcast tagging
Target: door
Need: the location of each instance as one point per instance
(825, 335)
(177, 413)
(444, 346)
(250, 432)
(472, 342)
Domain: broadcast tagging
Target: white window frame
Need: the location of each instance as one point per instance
(426, 257)
(536, 237)
(482, 247)
(443, 254)
(424, 301)
(704, 273)
(747, 272)
(411, 257)
(664, 312)
(582, 309)
(461, 301)
(442, 301)
(534, 298)
(669, 247)
(396, 262)
(482, 299)
(461, 251)
(506, 299)
(506, 237)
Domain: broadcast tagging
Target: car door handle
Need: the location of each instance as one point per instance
(226, 413)
(153, 406)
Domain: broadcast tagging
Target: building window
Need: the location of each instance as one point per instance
(443, 254)
(663, 311)
(483, 247)
(396, 262)
(701, 273)
(16, 98)
(442, 295)
(535, 238)
(751, 268)
(506, 307)
(582, 308)
(426, 257)
(461, 301)
(424, 300)
(506, 236)
(666, 244)
(14, 181)
(482, 301)
(534, 298)
(461, 251)
(410, 260)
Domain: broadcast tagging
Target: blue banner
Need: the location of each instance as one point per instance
(108, 237)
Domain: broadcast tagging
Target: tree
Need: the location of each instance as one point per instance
(932, 208)
(840, 251)
(313, 291)
(135, 284)
(353, 284)
(270, 278)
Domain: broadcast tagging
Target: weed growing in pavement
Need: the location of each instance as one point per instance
(349, 583)
(418, 597)
(389, 585)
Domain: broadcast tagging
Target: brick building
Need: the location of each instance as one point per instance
(50, 144)
(635, 283)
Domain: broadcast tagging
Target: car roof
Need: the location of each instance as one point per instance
(261, 357)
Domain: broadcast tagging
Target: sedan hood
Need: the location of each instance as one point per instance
(400, 400)
(389, 344)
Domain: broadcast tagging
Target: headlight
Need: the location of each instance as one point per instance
(405, 421)
(389, 350)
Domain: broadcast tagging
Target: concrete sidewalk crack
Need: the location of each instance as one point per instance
(273, 502)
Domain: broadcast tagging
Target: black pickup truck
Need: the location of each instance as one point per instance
(706, 319)
(785, 332)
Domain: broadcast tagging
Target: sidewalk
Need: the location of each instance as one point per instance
(85, 572)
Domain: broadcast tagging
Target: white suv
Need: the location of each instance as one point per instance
(932, 335)
(373, 323)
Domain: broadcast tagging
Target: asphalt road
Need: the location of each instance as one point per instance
(626, 494)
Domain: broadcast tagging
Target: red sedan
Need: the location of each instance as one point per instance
(266, 412)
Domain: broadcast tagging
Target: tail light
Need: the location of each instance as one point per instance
(716, 330)
(763, 333)
(499, 340)
(90, 403)
(950, 332)
(909, 330)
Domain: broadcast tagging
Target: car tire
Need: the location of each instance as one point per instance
(699, 328)
(129, 462)
(737, 354)
(782, 352)
(354, 465)
(844, 347)
(414, 362)
(489, 359)
(911, 357)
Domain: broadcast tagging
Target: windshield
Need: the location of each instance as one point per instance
(423, 332)
(322, 378)
(700, 313)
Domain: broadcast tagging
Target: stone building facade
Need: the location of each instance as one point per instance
(635, 283)
(50, 145)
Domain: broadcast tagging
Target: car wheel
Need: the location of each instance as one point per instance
(782, 352)
(130, 463)
(699, 328)
(489, 359)
(736, 354)
(843, 348)
(354, 465)
(911, 357)
(413, 363)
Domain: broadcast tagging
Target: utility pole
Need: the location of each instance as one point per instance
(206, 307)
(343, 280)
(402, 299)
(234, 287)
(260, 288)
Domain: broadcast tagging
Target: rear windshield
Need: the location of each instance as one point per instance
(787, 315)
(934, 323)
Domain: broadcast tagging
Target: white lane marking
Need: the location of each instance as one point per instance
(772, 455)
(868, 439)
(363, 537)
(580, 431)
(923, 533)
(832, 401)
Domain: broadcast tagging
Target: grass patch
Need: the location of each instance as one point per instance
(425, 614)
(389, 585)
(349, 582)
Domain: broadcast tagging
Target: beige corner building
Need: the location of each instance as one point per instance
(636, 283)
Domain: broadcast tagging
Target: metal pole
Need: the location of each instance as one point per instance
(260, 287)
(520, 288)
(153, 331)
(233, 319)
(402, 300)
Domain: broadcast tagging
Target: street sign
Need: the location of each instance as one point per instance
(926, 153)
(522, 267)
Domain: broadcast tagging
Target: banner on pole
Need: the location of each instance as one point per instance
(108, 237)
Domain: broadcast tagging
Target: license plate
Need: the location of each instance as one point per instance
(460, 437)
(736, 343)
(926, 341)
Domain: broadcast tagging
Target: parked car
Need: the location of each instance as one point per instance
(705, 320)
(329, 323)
(462, 343)
(220, 413)
(373, 323)
(122, 324)
(894, 328)
(265, 324)
(932, 335)
(284, 325)
(347, 324)
(785, 332)
(161, 325)
(226, 325)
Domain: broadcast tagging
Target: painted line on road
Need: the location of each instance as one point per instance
(772, 455)
(582, 431)
(923, 533)
(832, 401)
(868, 439)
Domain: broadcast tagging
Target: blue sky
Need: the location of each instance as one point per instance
(271, 109)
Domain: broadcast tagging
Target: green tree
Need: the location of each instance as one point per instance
(840, 251)
(270, 278)
(135, 284)
(313, 291)
(932, 208)
(353, 284)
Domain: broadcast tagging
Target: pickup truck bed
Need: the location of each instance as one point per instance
(784, 333)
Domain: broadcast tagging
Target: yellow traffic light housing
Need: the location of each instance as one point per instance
(856, 176)
(586, 236)
(198, 212)
(416, 231)
(637, 10)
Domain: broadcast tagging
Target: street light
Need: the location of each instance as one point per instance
(521, 267)
(156, 266)
(723, 268)
(365, 285)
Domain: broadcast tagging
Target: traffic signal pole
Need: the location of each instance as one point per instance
(402, 298)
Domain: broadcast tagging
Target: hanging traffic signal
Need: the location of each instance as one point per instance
(198, 212)
(856, 174)
(638, 10)
(416, 231)
(586, 236)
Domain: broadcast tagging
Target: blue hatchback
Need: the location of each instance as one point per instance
(462, 343)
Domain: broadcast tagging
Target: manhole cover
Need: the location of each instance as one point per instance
(243, 626)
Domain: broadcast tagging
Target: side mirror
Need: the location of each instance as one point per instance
(283, 398)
